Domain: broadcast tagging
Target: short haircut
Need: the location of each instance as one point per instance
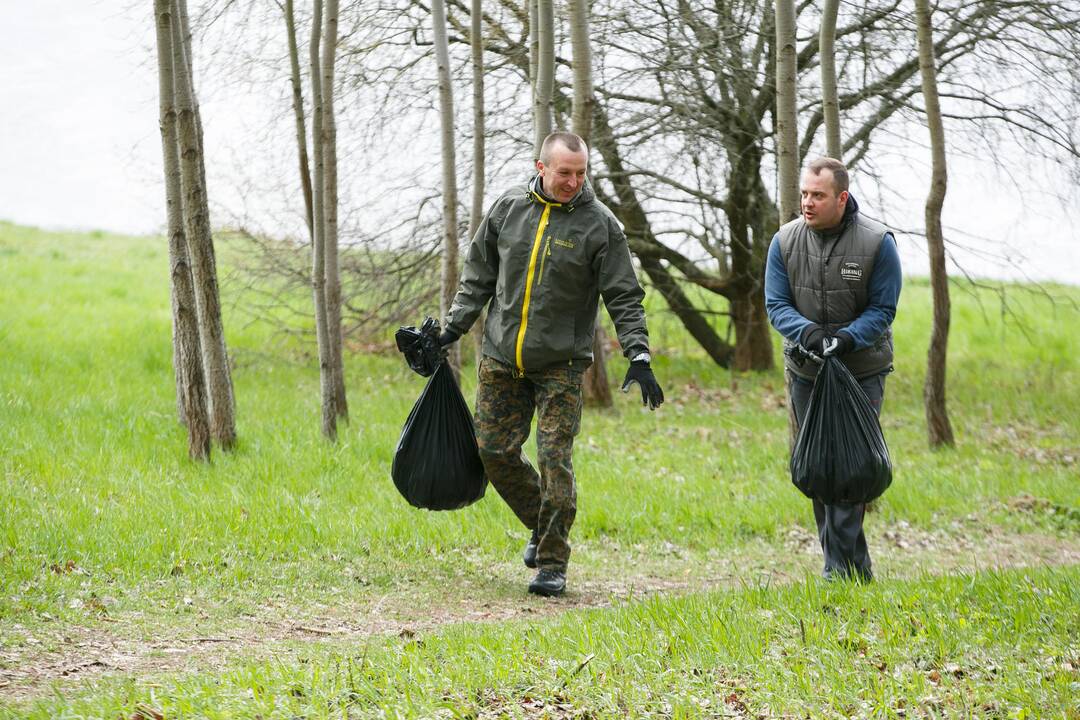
(569, 140)
(837, 168)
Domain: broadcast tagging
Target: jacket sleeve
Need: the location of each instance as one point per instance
(885, 283)
(479, 275)
(779, 304)
(621, 291)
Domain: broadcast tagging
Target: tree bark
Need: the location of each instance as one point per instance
(476, 212)
(318, 245)
(830, 106)
(787, 127)
(330, 199)
(298, 112)
(200, 244)
(545, 73)
(187, 352)
(449, 171)
(939, 428)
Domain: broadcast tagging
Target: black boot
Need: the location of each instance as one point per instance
(548, 583)
(530, 550)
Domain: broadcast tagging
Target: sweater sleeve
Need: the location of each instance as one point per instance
(779, 304)
(885, 283)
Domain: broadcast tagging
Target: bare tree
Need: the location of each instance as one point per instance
(187, 353)
(318, 245)
(330, 218)
(476, 211)
(830, 106)
(544, 82)
(938, 426)
(298, 112)
(200, 244)
(449, 170)
(787, 126)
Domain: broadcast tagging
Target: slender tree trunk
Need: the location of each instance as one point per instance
(595, 385)
(449, 170)
(545, 72)
(298, 112)
(330, 198)
(939, 429)
(829, 104)
(318, 245)
(534, 49)
(201, 248)
(187, 352)
(787, 128)
(476, 212)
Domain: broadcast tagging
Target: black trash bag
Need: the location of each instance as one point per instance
(840, 455)
(437, 463)
(421, 346)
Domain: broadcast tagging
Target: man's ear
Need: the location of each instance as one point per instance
(540, 167)
(843, 197)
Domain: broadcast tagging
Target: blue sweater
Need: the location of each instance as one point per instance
(885, 285)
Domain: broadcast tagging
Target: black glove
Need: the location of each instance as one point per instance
(639, 372)
(813, 338)
(448, 337)
(839, 345)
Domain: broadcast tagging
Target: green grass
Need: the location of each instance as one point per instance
(106, 529)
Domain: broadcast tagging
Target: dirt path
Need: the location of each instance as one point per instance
(74, 655)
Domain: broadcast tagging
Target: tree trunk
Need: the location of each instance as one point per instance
(330, 199)
(298, 111)
(187, 351)
(449, 171)
(200, 244)
(595, 385)
(830, 106)
(939, 429)
(476, 213)
(544, 88)
(318, 245)
(787, 127)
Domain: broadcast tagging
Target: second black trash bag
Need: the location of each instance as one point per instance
(840, 455)
(437, 463)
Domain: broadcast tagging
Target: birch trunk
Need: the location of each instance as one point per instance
(830, 106)
(476, 212)
(200, 244)
(449, 171)
(545, 72)
(330, 199)
(787, 129)
(318, 251)
(187, 352)
(298, 112)
(939, 428)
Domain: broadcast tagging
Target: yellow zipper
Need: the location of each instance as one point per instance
(528, 287)
(543, 258)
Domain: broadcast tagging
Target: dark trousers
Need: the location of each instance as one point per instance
(544, 501)
(840, 527)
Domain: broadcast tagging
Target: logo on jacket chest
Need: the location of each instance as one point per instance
(851, 271)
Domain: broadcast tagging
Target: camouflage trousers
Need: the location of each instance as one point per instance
(544, 501)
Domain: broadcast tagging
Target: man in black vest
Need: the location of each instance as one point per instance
(832, 281)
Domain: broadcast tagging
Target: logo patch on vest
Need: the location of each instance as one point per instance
(851, 271)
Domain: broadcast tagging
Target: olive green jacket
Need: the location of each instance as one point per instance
(541, 268)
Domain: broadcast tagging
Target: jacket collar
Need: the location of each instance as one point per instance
(585, 195)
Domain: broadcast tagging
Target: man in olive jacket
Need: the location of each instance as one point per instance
(832, 282)
(540, 261)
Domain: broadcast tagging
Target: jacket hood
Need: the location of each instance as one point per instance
(585, 195)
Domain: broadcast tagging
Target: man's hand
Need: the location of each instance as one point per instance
(639, 372)
(838, 345)
(448, 337)
(813, 338)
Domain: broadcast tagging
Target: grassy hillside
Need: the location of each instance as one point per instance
(110, 538)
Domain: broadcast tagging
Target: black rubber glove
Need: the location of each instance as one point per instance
(448, 337)
(639, 372)
(813, 338)
(839, 345)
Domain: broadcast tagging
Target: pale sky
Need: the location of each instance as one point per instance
(81, 147)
